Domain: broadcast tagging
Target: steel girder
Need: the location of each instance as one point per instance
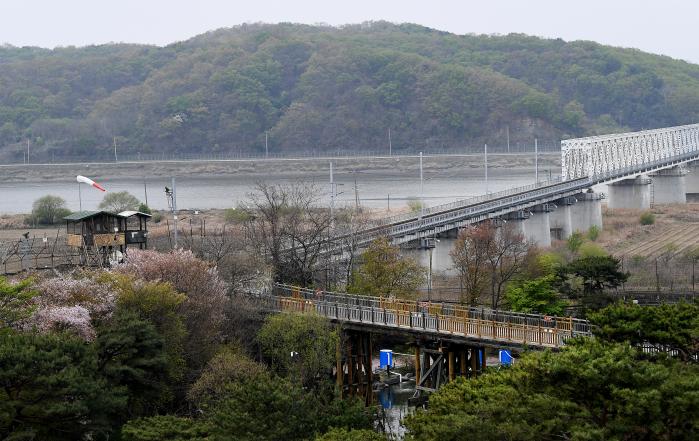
(607, 154)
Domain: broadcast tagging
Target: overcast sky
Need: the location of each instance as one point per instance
(666, 27)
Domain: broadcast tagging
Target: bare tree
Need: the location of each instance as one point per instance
(507, 258)
(289, 229)
(487, 254)
(347, 236)
(470, 256)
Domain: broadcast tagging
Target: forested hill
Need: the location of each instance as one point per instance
(326, 88)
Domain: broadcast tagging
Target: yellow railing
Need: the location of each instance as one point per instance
(401, 314)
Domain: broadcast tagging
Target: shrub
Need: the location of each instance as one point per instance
(593, 233)
(235, 215)
(415, 205)
(574, 242)
(143, 208)
(48, 210)
(647, 218)
(119, 201)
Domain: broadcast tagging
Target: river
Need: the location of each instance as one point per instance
(374, 190)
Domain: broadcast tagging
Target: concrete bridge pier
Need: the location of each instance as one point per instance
(586, 212)
(538, 226)
(560, 220)
(669, 186)
(630, 193)
(691, 181)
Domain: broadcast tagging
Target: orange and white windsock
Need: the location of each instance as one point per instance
(88, 181)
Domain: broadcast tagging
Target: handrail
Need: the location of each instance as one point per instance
(445, 319)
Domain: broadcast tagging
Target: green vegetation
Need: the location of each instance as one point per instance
(48, 210)
(119, 201)
(647, 218)
(384, 272)
(593, 233)
(592, 390)
(15, 301)
(535, 296)
(311, 87)
(236, 215)
(143, 208)
(575, 241)
(415, 205)
(309, 338)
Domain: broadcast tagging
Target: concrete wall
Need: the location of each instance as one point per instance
(629, 193)
(669, 186)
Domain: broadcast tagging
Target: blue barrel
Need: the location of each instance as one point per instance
(505, 357)
(385, 358)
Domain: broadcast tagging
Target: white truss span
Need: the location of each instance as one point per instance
(609, 156)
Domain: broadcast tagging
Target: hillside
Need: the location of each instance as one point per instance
(326, 88)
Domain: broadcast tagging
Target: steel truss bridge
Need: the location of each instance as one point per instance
(585, 162)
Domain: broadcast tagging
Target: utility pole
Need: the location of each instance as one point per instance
(356, 193)
(171, 194)
(332, 198)
(145, 190)
(27, 151)
(486, 169)
(266, 147)
(422, 194)
(536, 159)
(115, 151)
(508, 138)
(390, 147)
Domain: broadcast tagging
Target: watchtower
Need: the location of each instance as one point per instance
(99, 235)
(136, 230)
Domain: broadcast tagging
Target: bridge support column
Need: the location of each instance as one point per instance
(630, 193)
(691, 181)
(586, 212)
(538, 226)
(669, 186)
(354, 373)
(560, 220)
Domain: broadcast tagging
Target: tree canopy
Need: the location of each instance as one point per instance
(312, 87)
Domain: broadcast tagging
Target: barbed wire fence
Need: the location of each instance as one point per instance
(46, 156)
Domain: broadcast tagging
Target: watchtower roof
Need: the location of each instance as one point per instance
(82, 215)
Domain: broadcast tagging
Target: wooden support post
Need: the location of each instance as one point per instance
(370, 374)
(462, 363)
(350, 368)
(452, 366)
(339, 380)
(474, 361)
(417, 363)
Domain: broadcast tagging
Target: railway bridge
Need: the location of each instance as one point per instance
(449, 340)
(640, 168)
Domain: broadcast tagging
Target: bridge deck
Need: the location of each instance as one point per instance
(433, 320)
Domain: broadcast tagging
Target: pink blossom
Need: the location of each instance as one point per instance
(58, 318)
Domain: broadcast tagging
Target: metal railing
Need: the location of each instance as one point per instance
(441, 319)
(474, 208)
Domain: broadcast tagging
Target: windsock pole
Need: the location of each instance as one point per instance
(83, 180)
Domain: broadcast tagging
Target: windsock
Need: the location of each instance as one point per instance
(88, 181)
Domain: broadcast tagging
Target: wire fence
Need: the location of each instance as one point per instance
(47, 156)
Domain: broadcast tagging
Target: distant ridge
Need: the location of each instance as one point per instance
(326, 88)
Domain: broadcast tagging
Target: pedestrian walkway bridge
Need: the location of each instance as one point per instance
(435, 321)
